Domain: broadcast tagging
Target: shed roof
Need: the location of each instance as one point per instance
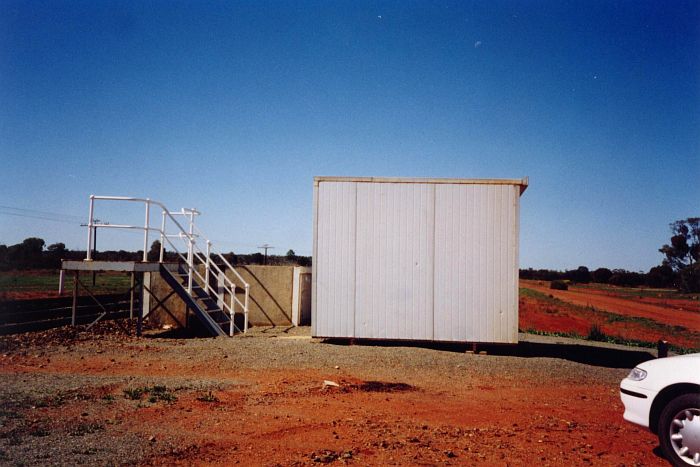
(522, 182)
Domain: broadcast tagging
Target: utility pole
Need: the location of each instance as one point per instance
(265, 247)
(95, 223)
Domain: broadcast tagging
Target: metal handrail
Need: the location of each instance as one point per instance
(226, 279)
(223, 258)
(231, 289)
(190, 236)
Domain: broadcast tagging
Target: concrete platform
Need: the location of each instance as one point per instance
(119, 266)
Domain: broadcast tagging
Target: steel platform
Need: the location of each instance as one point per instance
(105, 266)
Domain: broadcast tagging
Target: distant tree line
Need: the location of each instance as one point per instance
(680, 267)
(33, 253)
(658, 276)
(290, 258)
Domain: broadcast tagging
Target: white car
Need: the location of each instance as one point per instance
(663, 395)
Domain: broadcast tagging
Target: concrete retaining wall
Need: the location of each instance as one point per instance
(270, 303)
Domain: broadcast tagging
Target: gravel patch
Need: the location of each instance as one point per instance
(31, 395)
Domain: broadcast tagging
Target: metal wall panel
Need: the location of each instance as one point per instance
(334, 260)
(416, 259)
(476, 262)
(394, 294)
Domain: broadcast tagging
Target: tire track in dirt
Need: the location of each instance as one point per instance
(621, 306)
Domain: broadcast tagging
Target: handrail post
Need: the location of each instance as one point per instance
(190, 253)
(90, 226)
(245, 308)
(206, 270)
(232, 313)
(162, 237)
(145, 230)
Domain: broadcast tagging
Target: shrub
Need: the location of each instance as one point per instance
(208, 397)
(558, 285)
(133, 393)
(160, 393)
(156, 393)
(596, 334)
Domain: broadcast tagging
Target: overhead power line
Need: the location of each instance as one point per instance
(43, 215)
(45, 218)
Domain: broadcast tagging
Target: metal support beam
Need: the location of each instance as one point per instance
(161, 304)
(75, 297)
(131, 297)
(139, 321)
(61, 281)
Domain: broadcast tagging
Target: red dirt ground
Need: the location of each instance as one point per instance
(687, 304)
(541, 316)
(283, 417)
(680, 316)
(29, 295)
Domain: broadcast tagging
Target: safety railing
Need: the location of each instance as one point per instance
(194, 258)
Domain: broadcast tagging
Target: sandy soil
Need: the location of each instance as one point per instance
(259, 400)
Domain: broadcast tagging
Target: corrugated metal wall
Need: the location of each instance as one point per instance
(476, 263)
(334, 295)
(426, 261)
(394, 286)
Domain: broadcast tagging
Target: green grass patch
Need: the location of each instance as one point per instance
(613, 340)
(537, 332)
(85, 428)
(47, 281)
(537, 295)
(208, 397)
(639, 292)
(134, 394)
(156, 393)
(161, 393)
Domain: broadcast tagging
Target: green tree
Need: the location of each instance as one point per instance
(257, 258)
(661, 276)
(154, 251)
(581, 275)
(683, 254)
(602, 275)
(54, 254)
(3, 257)
(26, 255)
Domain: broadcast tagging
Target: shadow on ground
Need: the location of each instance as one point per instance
(588, 354)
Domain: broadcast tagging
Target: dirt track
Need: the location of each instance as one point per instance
(259, 401)
(659, 313)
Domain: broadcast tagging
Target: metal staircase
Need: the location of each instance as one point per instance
(206, 282)
(205, 308)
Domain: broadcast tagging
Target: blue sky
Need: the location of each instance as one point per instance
(233, 107)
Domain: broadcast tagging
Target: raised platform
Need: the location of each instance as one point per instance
(118, 266)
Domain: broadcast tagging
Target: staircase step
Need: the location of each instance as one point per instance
(209, 322)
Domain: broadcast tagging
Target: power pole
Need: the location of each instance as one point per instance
(265, 247)
(95, 223)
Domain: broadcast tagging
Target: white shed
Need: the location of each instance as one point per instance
(422, 259)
